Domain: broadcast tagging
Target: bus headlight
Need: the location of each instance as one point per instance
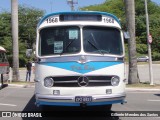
(115, 80)
(48, 82)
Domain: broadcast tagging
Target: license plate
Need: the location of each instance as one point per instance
(83, 99)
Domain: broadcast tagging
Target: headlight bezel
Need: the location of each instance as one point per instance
(48, 82)
(115, 80)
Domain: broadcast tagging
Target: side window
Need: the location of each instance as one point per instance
(1, 57)
(5, 57)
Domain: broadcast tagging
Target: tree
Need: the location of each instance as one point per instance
(28, 19)
(117, 7)
(154, 19)
(130, 17)
(14, 6)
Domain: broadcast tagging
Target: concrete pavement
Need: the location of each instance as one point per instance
(143, 72)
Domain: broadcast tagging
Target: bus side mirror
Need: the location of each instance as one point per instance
(126, 35)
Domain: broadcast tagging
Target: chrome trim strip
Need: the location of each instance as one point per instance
(100, 81)
(76, 58)
(71, 81)
(75, 81)
(52, 97)
(96, 98)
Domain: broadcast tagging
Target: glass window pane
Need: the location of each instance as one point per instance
(102, 40)
(59, 40)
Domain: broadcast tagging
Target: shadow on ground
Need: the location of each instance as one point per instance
(157, 95)
(3, 86)
(66, 113)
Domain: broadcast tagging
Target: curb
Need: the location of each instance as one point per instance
(21, 86)
(141, 89)
(15, 85)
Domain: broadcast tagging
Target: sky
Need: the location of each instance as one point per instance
(52, 5)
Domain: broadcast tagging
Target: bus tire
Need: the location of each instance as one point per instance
(44, 108)
(107, 107)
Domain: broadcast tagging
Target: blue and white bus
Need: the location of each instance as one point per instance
(80, 60)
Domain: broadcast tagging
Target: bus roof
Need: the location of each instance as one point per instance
(2, 49)
(79, 12)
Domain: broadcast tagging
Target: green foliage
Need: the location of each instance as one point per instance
(142, 48)
(22, 60)
(117, 8)
(28, 19)
(156, 56)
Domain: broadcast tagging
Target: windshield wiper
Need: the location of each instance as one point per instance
(95, 47)
(67, 46)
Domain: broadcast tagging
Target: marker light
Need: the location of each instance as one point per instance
(108, 91)
(56, 92)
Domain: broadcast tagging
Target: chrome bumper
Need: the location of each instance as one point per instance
(70, 100)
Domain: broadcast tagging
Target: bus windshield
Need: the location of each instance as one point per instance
(103, 40)
(59, 40)
(66, 40)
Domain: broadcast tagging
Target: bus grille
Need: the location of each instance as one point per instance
(82, 81)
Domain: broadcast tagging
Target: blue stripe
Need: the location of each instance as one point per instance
(78, 104)
(104, 103)
(79, 12)
(82, 68)
(57, 103)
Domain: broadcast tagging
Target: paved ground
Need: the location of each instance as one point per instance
(23, 99)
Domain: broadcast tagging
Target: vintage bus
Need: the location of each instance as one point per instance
(4, 66)
(80, 60)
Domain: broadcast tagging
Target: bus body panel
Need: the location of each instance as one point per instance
(81, 75)
(72, 92)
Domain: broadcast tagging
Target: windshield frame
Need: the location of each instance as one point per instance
(99, 51)
(73, 27)
(81, 42)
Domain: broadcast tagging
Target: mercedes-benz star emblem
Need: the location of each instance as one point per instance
(83, 81)
(82, 59)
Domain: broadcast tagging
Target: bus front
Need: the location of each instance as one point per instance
(80, 60)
